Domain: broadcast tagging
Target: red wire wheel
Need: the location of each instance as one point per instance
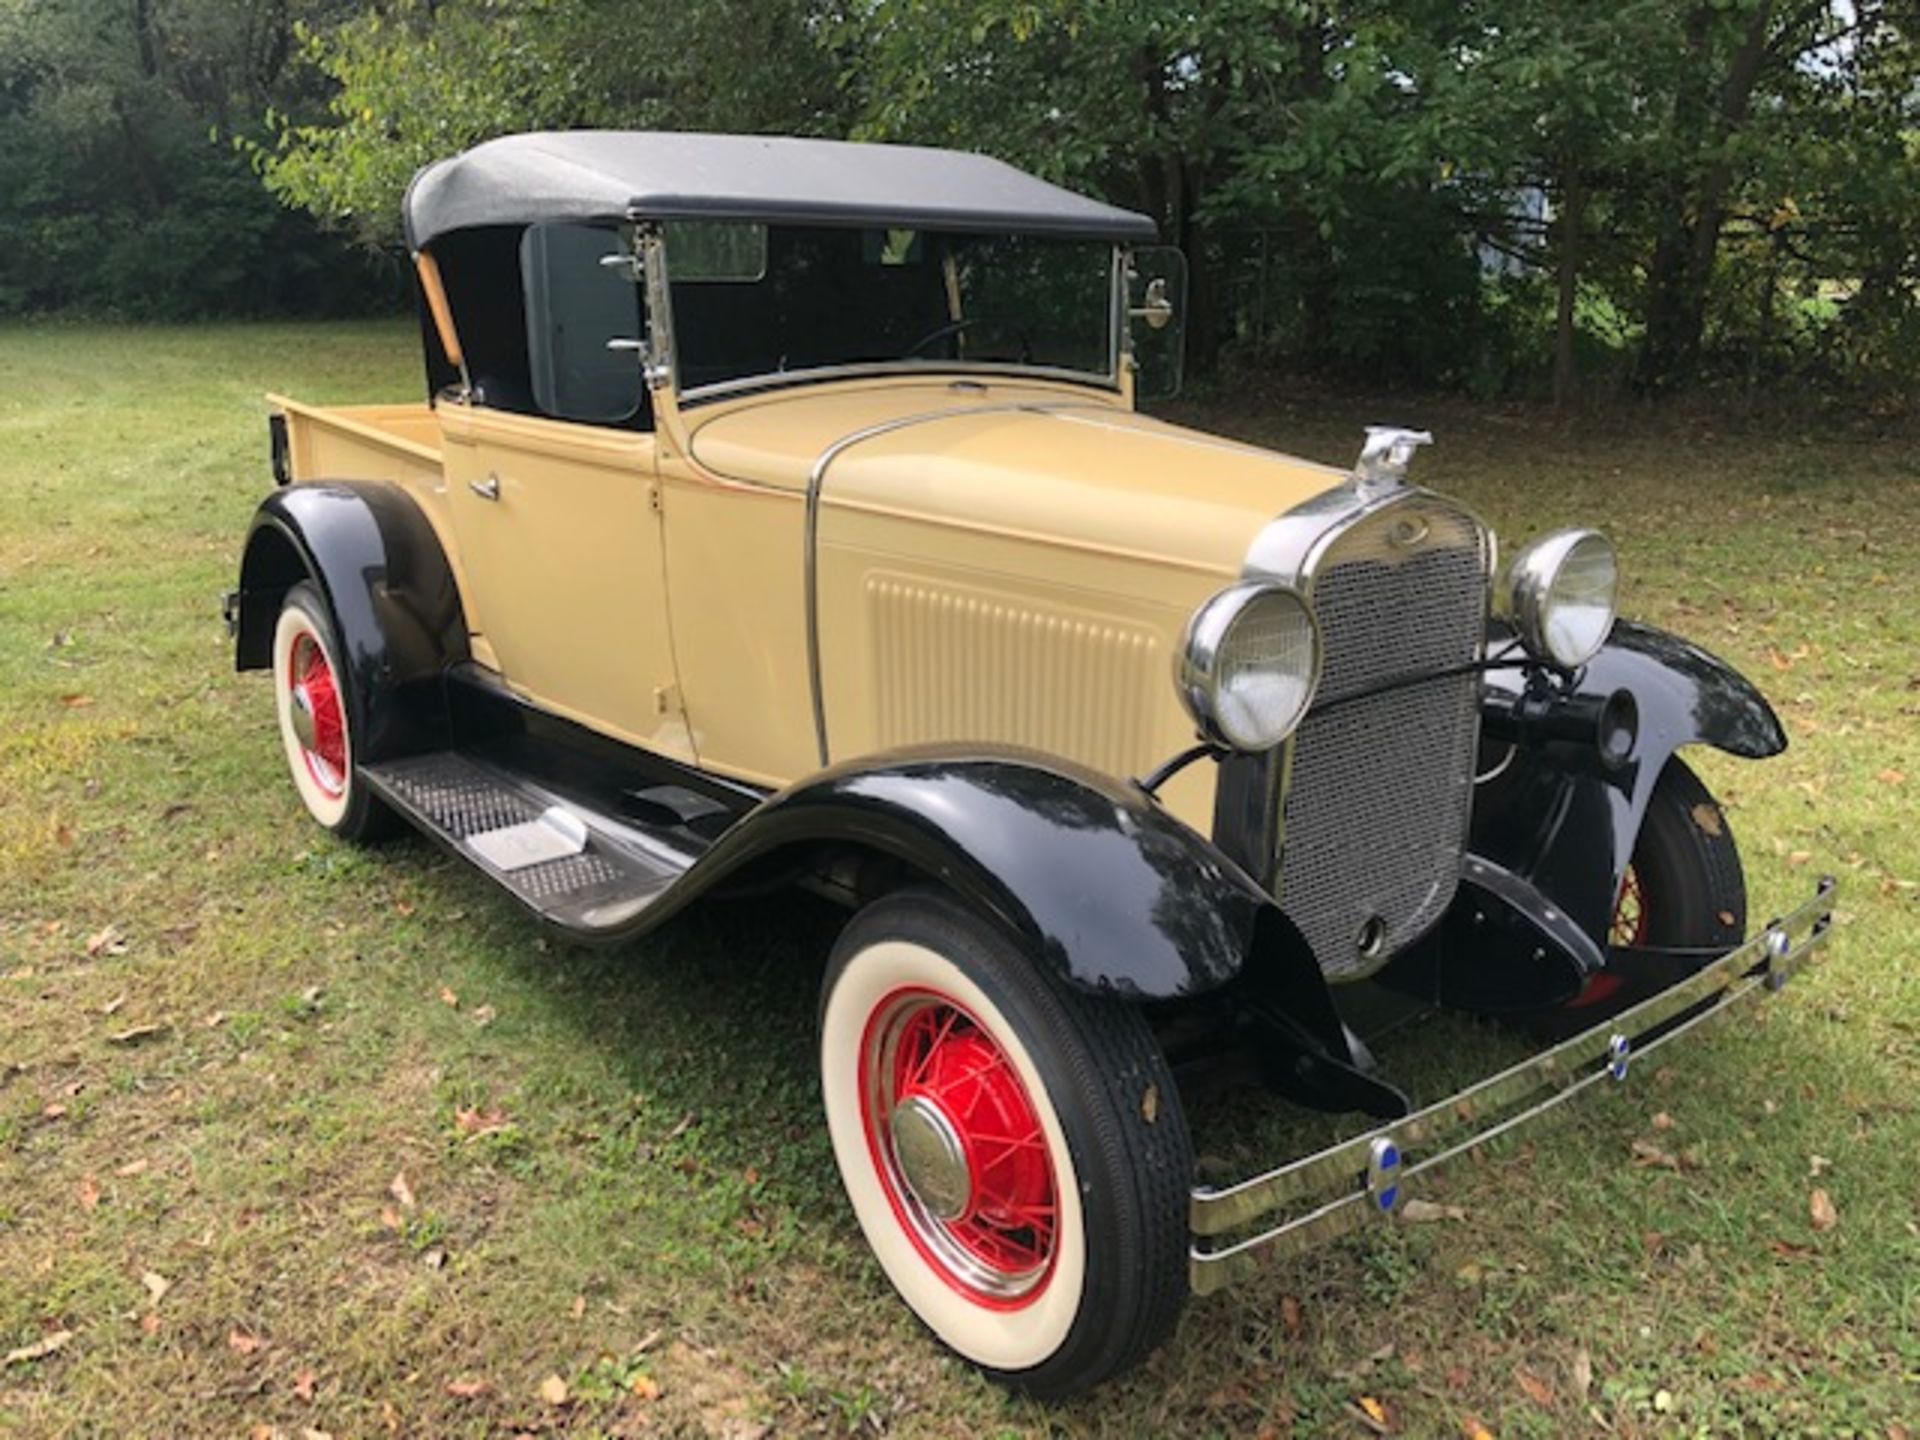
(1629, 926)
(959, 1148)
(319, 720)
(1628, 929)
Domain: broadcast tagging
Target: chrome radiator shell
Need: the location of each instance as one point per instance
(1358, 824)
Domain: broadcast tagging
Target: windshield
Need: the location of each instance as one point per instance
(753, 302)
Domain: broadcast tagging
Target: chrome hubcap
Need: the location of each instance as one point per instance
(302, 717)
(933, 1162)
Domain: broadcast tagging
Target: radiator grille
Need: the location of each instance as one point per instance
(1379, 787)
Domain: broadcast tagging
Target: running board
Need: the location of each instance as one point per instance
(582, 871)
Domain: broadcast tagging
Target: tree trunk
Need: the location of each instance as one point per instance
(1680, 273)
(1567, 225)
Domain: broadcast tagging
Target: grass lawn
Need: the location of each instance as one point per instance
(297, 1137)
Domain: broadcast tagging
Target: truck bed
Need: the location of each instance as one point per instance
(362, 442)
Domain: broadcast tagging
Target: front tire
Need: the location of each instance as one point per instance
(1683, 900)
(313, 705)
(1014, 1151)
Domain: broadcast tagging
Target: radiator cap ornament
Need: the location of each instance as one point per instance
(1385, 456)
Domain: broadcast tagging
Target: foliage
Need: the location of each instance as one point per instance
(1426, 190)
(118, 191)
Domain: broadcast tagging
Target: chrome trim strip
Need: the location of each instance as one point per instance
(816, 479)
(1760, 966)
(895, 370)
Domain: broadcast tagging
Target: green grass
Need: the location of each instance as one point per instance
(658, 1205)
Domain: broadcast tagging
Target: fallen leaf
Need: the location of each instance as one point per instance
(483, 1016)
(467, 1389)
(1580, 1374)
(644, 1386)
(310, 1433)
(1663, 1401)
(1150, 1104)
(1425, 1212)
(1891, 776)
(1662, 1121)
(401, 1191)
(1373, 1412)
(1537, 1390)
(54, 1111)
(76, 702)
(475, 1123)
(241, 1343)
(390, 1217)
(1474, 1430)
(89, 1193)
(553, 1390)
(448, 998)
(113, 1004)
(150, 1323)
(157, 1285)
(1706, 815)
(1787, 1250)
(579, 1306)
(1817, 1165)
(1799, 857)
(40, 1349)
(1647, 1155)
(436, 1259)
(132, 1168)
(135, 1034)
(303, 1385)
(1291, 1320)
(1820, 1210)
(107, 941)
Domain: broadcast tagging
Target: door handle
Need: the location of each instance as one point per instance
(487, 489)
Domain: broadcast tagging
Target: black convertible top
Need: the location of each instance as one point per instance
(619, 174)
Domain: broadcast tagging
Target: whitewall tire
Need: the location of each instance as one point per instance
(1014, 1151)
(313, 705)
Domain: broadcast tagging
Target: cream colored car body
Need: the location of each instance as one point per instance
(1008, 560)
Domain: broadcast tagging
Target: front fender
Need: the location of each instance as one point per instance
(1089, 873)
(395, 605)
(1566, 822)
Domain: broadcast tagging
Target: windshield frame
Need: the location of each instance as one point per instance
(666, 353)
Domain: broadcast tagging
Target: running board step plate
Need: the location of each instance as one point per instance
(584, 872)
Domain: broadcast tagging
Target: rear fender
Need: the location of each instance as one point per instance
(395, 606)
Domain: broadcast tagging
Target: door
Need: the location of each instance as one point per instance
(555, 504)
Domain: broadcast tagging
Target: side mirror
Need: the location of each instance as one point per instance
(1156, 320)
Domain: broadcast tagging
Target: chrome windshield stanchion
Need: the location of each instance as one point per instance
(1371, 1173)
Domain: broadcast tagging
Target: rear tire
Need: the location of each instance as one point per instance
(314, 705)
(1014, 1151)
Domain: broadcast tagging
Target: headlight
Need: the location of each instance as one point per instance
(1560, 593)
(1249, 665)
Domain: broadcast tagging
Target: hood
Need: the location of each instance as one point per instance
(1046, 462)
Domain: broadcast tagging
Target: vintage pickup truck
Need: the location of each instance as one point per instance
(780, 511)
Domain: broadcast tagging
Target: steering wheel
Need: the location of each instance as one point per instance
(956, 327)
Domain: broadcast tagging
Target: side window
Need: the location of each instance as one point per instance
(575, 305)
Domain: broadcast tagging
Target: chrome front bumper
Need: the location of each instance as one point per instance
(1370, 1175)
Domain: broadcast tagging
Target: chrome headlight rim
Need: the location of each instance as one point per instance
(1197, 670)
(1535, 584)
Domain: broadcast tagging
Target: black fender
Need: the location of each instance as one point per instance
(1089, 873)
(1562, 817)
(376, 559)
(1099, 883)
(1094, 879)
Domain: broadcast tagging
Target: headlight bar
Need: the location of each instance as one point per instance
(1378, 1160)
